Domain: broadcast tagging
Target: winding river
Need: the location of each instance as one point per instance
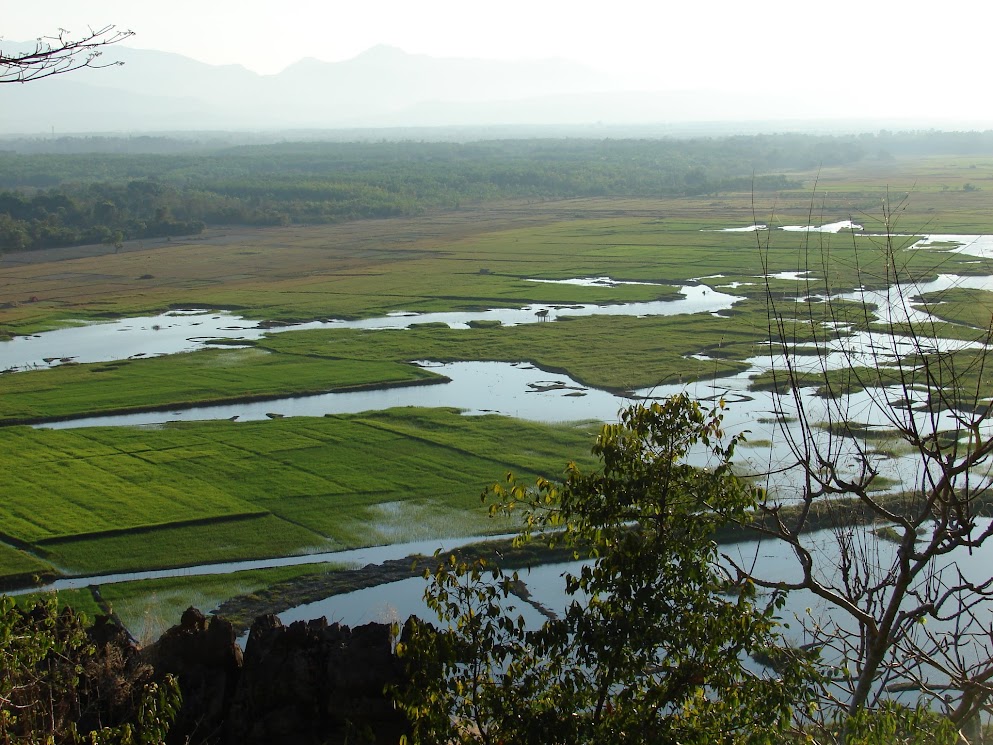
(189, 330)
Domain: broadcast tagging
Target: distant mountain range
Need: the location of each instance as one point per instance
(382, 87)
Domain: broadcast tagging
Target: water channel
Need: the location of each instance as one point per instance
(766, 558)
(187, 331)
(805, 618)
(514, 389)
(357, 557)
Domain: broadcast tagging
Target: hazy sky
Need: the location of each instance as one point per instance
(861, 49)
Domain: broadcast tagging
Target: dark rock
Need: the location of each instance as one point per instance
(308, 683)
(315, 683)
(206, 659)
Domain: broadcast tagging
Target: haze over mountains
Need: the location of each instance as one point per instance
(383, 87)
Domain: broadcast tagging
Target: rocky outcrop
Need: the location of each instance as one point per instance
(206, 659)
(304, 683)
(315, 683)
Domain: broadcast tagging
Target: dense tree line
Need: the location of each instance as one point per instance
(95, 214)
(61, 198)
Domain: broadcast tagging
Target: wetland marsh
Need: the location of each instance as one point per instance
(295, 475)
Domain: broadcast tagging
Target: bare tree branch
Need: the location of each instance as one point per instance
(55, 55)
(935, 401)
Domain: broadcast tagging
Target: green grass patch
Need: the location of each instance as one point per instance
(966, 307)
(79, 486)
(617, 353)
(209, 376)
(81, 601)
(259, 489)
(185, 545)
(19, 567)
(149, 607)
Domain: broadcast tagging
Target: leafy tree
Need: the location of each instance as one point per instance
(654, 645)
(894, 724)
(57, 686)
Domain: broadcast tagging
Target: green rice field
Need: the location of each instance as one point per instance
(106, 500)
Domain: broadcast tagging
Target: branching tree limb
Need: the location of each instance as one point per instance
(933, 396)
(54, 55)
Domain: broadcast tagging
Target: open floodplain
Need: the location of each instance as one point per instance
(305, 313)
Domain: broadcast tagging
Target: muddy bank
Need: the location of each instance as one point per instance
(243, 609)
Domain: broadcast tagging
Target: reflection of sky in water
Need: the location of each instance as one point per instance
(167, 333)
(593, 282)
(392, 602)
(805, 612)
(518, 390)
(980, 246)
(398, 600)
(178, 331)
(746, 229)
(833, 227)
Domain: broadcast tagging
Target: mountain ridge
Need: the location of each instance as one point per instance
(383, 86)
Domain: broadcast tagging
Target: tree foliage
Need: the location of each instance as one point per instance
(65, 197)
(98, 214)
(654, 643)
(58, 686)
(73, 199)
